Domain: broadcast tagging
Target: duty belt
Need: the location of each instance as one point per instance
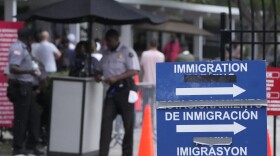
(18, 82)
(125, 83)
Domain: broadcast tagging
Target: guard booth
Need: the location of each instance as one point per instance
(256, 37)
(76, 112)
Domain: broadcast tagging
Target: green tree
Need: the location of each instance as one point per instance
(209, 2)
(260, 9)
(245, 10)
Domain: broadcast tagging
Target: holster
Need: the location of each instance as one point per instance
(127, 83)
(16, 87)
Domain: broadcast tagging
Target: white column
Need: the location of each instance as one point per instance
(198, 41)
(233, 23)
(165, 38)
(75, 29)
(97, 30)
(10, 11)
(126, 35)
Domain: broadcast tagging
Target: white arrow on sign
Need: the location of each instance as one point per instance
(234, 91)
(235, 128)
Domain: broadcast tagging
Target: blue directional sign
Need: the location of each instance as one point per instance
(212, 131)
(219, 80)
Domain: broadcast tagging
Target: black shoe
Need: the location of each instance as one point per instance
(36, 152)
(20, 152)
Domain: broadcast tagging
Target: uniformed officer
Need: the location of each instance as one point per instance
(20, 92)
(118, 65)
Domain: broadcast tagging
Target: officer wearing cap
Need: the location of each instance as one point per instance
(20, 94)
(118, 65)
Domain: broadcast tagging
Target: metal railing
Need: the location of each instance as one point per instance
(264, 35)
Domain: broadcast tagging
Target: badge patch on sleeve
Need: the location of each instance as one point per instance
(16, 52)
(120, 56)
(130, 54)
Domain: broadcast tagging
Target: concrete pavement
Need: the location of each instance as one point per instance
(5, 148)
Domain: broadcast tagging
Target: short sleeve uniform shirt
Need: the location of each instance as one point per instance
(116, 62)
(20, 56)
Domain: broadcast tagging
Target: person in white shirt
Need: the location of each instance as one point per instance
(148, 62)
(72, 39)
(47, 53)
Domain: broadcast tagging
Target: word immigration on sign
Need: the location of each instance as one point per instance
(234, 80)
(222, 109)
(217, 131)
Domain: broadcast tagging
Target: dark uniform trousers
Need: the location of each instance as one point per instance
(26, 115)
(116, 102)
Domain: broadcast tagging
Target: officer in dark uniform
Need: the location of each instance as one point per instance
(20, 93)
(118, 65)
